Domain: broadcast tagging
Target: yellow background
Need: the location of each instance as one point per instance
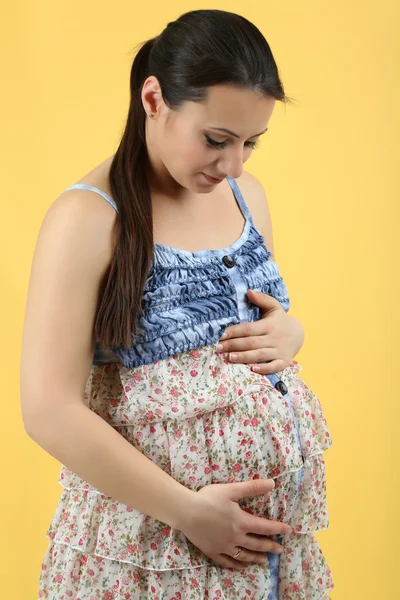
(328, 167)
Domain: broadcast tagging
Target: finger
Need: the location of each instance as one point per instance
(247, 556)
(244, 343)
(272, 367)
(228, 562)
(248, 489)
(260, 544)
(262, 526)
(253, 356)
(243, 330)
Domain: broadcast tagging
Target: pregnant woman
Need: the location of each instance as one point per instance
(187, 473)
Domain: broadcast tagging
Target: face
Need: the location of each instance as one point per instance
(184, 145)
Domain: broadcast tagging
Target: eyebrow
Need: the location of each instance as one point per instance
(235, 134)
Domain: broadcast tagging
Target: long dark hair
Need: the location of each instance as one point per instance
(200, 49)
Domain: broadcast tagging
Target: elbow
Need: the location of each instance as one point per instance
(33, 425)
(45, 431)
(39, 422)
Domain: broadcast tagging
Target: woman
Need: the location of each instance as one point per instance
(185, 474)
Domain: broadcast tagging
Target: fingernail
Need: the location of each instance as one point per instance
(220, 346)
(233, 356)
(256, 368)
(223, 336)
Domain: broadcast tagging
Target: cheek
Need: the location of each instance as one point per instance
(197, 156)
(185, 150)
(192, 154)
(191, 148)
(200, 155)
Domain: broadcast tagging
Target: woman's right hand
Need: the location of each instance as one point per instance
(215, 523)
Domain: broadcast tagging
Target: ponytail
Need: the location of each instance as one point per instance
(123, 284)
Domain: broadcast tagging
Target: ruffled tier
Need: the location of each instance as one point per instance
(97, 524)
(68, 573)
(234, 425)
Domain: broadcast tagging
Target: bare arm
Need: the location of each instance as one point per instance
(72, 253)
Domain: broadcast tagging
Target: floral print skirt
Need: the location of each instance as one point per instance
(203, 420)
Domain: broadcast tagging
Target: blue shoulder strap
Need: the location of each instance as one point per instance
(85, 186)
(232, 182)
(239, 198)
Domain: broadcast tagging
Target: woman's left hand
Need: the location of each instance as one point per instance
(277, 337)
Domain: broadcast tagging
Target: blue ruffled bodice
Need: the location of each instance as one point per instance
(191, 297)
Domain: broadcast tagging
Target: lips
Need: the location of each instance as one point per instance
(214, 179)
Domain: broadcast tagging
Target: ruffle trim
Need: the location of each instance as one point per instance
(125, 396)
(97, 524)
(168, 257)
(71, 573)
(178, 293)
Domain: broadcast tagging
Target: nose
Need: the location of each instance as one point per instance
(232, 163)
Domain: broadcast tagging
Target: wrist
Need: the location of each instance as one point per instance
(183, 509)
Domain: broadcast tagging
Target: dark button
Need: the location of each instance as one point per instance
(281, 387)
(228, 261)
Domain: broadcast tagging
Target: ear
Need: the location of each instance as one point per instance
(152, 95)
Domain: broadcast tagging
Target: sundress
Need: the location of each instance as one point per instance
(203, 420)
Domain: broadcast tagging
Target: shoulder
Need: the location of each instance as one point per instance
(85, 207)
(82, 222)
(255, 197)
(89, 205)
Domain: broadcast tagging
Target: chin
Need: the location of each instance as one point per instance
(198, 185)
(204, 189)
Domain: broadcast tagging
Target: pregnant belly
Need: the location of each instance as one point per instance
(203, 421)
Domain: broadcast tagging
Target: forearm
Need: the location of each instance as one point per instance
(90, 447)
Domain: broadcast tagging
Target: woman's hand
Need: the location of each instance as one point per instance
(215, 523)
(275, 339)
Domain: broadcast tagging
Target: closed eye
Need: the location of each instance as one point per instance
(220, 145)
